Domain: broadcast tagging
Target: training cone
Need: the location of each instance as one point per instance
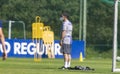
(81, 57)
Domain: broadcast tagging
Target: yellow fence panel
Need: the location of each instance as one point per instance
(37, 28)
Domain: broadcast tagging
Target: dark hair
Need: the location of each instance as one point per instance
(65, 14)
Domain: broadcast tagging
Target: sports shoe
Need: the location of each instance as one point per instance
(63, 68)
(69, 68)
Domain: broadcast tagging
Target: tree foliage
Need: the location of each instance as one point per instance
(100, 22)
(48, 10)
(99, 16)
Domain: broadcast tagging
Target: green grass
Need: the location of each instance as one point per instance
(50, 66)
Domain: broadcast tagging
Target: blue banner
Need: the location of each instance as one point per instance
(21, 48)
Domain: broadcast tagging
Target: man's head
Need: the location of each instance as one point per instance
(64, 16)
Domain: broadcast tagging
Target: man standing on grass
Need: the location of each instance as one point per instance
(2, 39)
(66, 40)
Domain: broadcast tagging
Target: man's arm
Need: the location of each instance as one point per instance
(62, 36)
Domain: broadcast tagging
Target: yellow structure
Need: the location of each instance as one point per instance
(37, 28)
(42, 33)
(37, 33)
(48, 38)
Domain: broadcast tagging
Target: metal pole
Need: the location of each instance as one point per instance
(84, 22)
(81, 18)
(115, 35)
(9, 31)
(23, 28)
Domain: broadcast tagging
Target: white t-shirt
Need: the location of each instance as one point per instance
(67, 26)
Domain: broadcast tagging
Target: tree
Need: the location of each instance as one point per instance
(99, 16)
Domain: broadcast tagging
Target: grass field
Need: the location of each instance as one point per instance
(50, 66)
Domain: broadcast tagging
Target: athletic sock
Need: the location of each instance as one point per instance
(65, 64)
(68, 64)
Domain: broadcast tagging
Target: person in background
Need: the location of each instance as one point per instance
(66, 40)
(2, 39)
